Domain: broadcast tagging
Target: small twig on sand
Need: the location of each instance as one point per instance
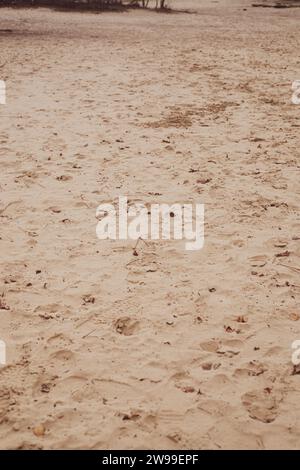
(7, 205)
(135, 253)
(131, 262)
(88, 334)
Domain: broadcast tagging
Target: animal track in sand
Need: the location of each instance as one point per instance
(69, 386)
(214, 407)
(210, 346)
(251, 369)
(48, 309)
(262, 405)
(180, 375)
(86, 392)
(64, 355)
(44, 384)
(228, 348)
(59, 339)
(219, 380)
(126, 326)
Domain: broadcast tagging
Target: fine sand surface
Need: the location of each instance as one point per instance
(168, 349)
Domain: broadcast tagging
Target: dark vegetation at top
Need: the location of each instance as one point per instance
(118, 5)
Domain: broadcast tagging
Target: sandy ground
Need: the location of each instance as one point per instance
(168, 349)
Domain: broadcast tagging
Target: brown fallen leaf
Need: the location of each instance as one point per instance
(283, 254)
(45, 388)
(133, 416)
(39, 430)
(203, 180)
(88, 299)
(241, 319)
(3, 305)
(188, 389)
(228, 329)
(294, 316)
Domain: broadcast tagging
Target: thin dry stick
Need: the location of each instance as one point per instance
(88, 334)
(85, 321)
(134, 249)
(140, 238)
(7, 205)
(130, 262)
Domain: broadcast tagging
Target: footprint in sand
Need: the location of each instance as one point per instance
(59, 340)
(62, 357)
(210, 346)
(262, 405)
(251, 369)
(126, 326)
(228, 348)
(217, 408)
(258, 261)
